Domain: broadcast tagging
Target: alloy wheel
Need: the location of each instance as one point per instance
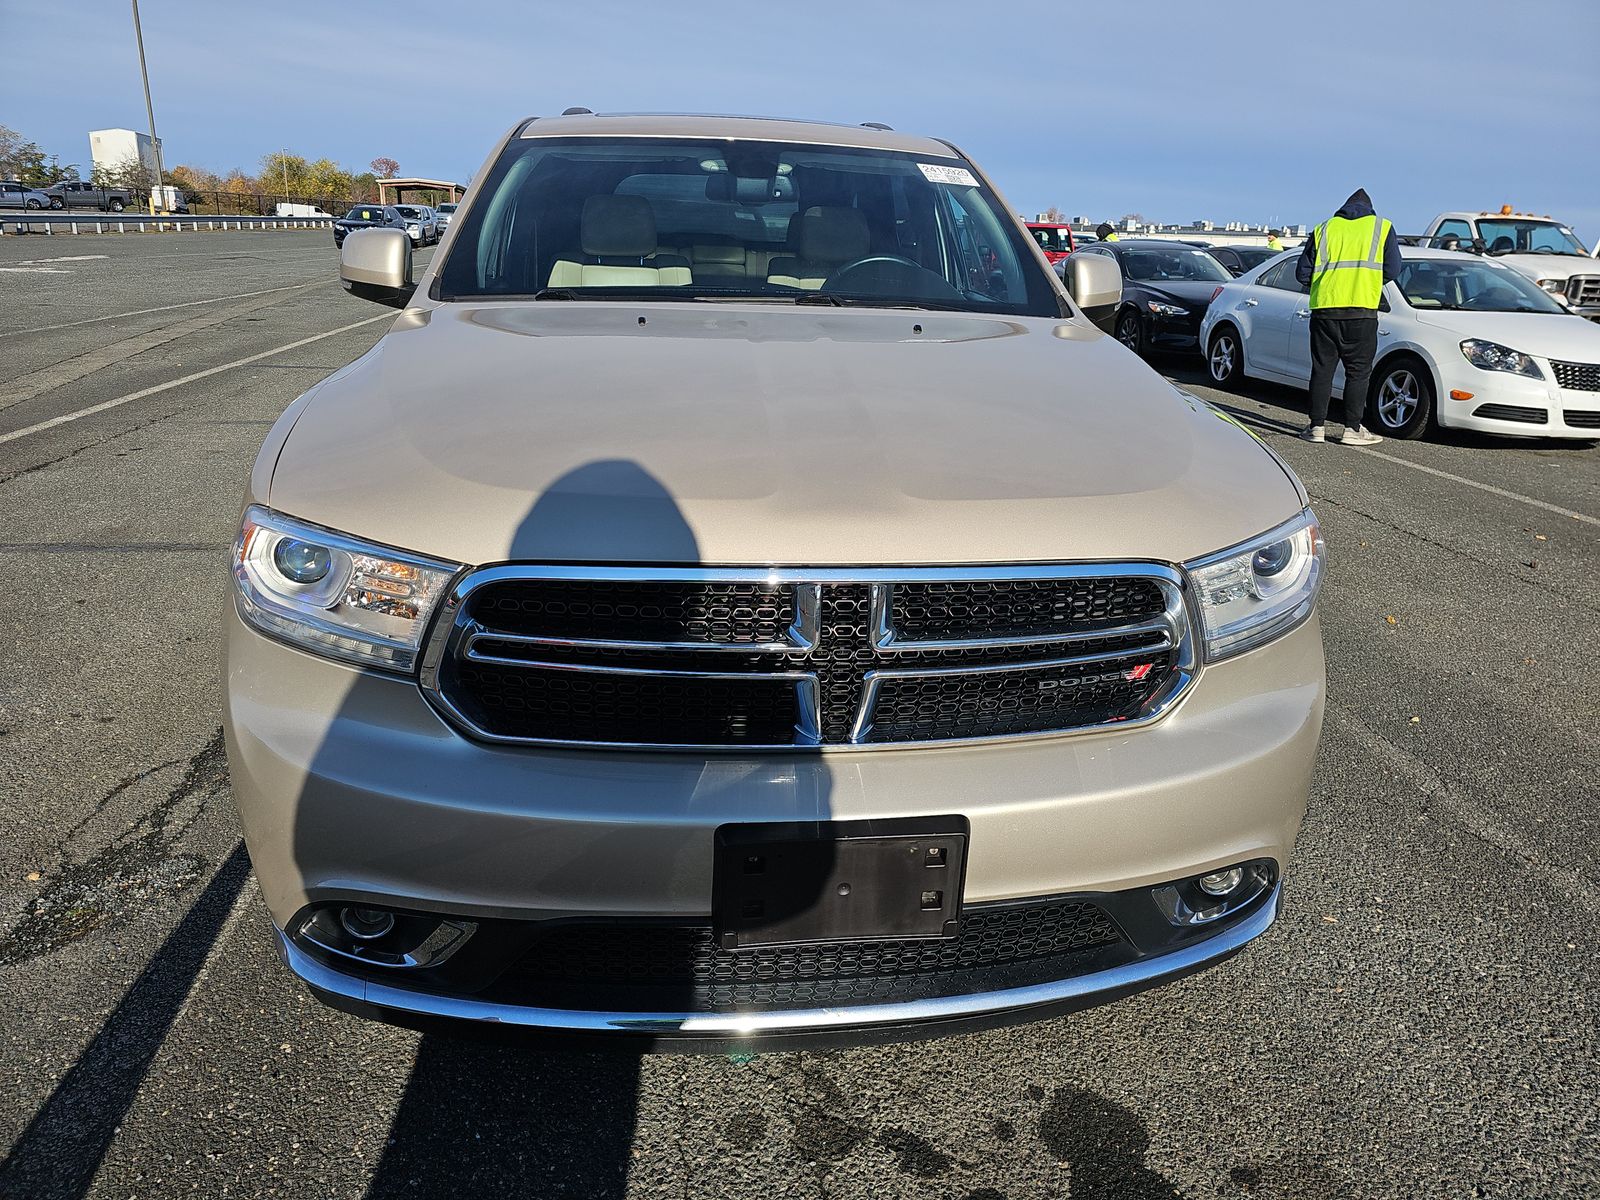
(1398, 397)
(1223, 354)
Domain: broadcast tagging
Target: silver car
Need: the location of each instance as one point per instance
(747, 597)
(442, 215)
(420, 225)
(19, 195)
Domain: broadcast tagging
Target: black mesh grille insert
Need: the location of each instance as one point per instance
(1020, 607)
(926, 707)
(643, 612)
(1580, 377)
(532, 702)
(1579, 419)
(505, 688)
(674, 968)
(1512, 412)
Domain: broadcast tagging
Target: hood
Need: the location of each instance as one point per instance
(1358, 205)
(1193, 294)
(681, 433)
(1549, 266)
(1567, 337)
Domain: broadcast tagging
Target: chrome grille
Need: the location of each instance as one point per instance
(1578, 377)
(708, 658)
(1583, 290)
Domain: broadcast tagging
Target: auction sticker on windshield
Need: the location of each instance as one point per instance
(935, 173)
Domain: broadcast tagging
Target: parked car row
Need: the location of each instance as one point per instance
(420, 222)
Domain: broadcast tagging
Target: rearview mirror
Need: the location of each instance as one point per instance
(1095, 284)
(375, 264)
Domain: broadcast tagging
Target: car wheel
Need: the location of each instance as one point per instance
(116, 206)
(1225, 357)
(1129, 333)
(57, 203)
(33, 204)
(1400, 399)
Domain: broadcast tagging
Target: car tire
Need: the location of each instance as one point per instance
(33, 204)
(1400, 398)
(116, 206)
(1225, 358)
(1130, 332)
(57, 203)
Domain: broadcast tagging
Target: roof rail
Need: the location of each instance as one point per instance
(577, 112)
(877, 125)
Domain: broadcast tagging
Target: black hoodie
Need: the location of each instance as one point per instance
(1358, 205)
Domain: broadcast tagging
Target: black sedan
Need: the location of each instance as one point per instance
(1166, 289)
(1239, 259)
(368, 216)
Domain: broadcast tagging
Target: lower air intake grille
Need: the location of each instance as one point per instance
(1579, 419)
(640, 967)
(1513, 412)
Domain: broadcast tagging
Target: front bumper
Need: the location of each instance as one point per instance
(1521, 407)
(351, 788)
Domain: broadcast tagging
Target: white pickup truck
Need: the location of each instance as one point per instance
(1542, 248)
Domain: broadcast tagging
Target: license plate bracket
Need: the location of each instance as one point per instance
(820, 881)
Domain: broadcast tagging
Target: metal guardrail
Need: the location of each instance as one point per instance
(132, 222)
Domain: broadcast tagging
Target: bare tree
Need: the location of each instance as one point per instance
(385, 168)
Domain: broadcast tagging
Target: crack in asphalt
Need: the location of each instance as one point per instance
(118, 879)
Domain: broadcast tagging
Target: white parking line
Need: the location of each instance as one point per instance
(172, 383)
(34, 271)
(1482, 487)
(33, 262)
(1274, 427)
(140, 312)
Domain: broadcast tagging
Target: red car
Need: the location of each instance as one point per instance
(1054, 239)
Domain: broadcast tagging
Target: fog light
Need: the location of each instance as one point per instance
(1220, 883)
(366, 924)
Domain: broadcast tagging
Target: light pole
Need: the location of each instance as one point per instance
(284, 162)
(150, 112)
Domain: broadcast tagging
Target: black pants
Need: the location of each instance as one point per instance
(1352, 341)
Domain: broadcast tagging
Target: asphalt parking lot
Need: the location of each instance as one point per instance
(1422, 1021)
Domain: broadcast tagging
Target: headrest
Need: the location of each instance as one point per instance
(833, 235)
(621, 226)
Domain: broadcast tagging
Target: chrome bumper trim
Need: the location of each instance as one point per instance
(1130, 977)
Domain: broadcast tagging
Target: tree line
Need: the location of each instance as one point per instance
(282, 176)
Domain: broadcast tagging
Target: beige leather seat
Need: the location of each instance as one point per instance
(828, 238)
(618, 238)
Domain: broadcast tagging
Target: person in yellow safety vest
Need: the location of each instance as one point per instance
(1106, 231)
(1274, 242)
(1345, 263)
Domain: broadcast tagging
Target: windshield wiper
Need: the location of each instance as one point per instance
(826, 298)
(835, 300)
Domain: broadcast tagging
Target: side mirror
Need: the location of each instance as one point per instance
(375, 264)
(1095, 284)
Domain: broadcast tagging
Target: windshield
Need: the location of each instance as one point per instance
(360, 213)
(446, 208)
(683, 219)
(1253, 256)
(1053, 240)
(1504, 235)
(1157, 266)
(408, 210)
(1471, 285)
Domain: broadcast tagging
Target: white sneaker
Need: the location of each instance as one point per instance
(1313, 433)
(1359, 437)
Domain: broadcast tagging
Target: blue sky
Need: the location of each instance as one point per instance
(1228, 109)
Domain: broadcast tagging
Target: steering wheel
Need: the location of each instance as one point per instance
(872, 260)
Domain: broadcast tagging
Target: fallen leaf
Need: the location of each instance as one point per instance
(1416, 720)
(32, 877)
(1331, 920)
(1539, 537)
(1391, 620)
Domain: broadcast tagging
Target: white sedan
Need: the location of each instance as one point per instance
(1462, 342)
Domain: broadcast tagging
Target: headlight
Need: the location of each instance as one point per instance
(1166, 310)
(1255, 592)
(1556, 287)
(1492, 356)
(414, 229)
(334, 595)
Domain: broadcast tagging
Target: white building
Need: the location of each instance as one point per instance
(111, 148)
